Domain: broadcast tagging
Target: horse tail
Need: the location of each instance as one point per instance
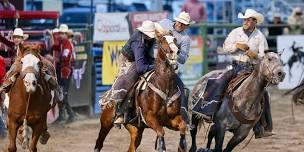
(295, 90)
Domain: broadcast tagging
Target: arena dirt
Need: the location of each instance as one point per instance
(81, 135)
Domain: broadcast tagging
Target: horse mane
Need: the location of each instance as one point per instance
(31, 48)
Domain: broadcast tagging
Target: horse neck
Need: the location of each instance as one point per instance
(251, 90)
(163, 72)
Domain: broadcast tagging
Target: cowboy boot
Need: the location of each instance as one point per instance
(119, 114)
(70, 112)
(7, 84)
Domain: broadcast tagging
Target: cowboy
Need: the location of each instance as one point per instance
(16, 47)
(178, 28)
(245, 44)
(136, 58)
(64, 70)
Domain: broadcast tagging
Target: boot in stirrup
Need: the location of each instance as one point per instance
(119, 115)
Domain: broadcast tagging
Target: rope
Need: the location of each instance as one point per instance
(25, 127)
(247, 142)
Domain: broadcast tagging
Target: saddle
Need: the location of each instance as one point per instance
(237, 81)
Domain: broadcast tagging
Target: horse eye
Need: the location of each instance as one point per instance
(269, 59)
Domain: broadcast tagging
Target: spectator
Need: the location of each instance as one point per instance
(197, 13)
(296, 21)
(276, 30)
(2, 74)
(64, 70)
(5, 5)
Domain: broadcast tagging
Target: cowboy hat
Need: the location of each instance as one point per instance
(184, 18)
(63, 28)
(148, 28)
(252, 13)
(19, 32)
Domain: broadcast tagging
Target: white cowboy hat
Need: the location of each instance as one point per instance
(184, 18)
(252, 13)
(55, 30)
(19, 32)
(148, 28)
(63, 28)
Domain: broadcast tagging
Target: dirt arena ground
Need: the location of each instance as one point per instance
(81, 135)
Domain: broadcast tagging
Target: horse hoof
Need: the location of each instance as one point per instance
(204, 150)
(181, 150)
(96, 150)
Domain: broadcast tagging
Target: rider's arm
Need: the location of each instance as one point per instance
(184, 51)
(262, 46)
(8, 43)
(230, 42)
(140, 58)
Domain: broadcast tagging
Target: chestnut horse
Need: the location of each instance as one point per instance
(30, 99)
(156, 106)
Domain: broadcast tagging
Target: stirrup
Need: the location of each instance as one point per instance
(119, 121)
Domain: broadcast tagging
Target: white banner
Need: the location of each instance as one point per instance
(111, 27)
(293, 59)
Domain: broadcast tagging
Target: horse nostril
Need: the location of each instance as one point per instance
(34, 83)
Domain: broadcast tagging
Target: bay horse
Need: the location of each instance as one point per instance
(30, 99)
(156, 106)
(242, 106)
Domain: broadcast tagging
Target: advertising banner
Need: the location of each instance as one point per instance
(291, 47)
(192, 70)
(110, 64)
(136, 19)
(111, 27)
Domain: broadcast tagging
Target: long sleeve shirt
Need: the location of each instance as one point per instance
(13, 49)
(142, 61)
(256, 42)
(183, 40)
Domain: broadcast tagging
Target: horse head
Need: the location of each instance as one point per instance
(271, 67)
(168, 49)
(30, 67)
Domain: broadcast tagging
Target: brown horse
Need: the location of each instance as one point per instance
(30, 99)
(156, 106)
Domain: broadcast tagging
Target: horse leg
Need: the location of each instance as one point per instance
(106, 125)
(211, 135)
(219, 136)
(238, 137)
(12, 130)
(37, 130)
(179, 123)
(136, 135)
(193, 133)
(153, 123)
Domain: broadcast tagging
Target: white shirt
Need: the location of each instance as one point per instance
(256, 42)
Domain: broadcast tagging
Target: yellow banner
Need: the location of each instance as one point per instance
(196, 53)
(110, 64)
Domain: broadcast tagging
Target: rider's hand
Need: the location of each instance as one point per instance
(242, 46)
(251, 54)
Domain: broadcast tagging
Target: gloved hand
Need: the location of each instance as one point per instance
(242, 46)
(251, 54)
